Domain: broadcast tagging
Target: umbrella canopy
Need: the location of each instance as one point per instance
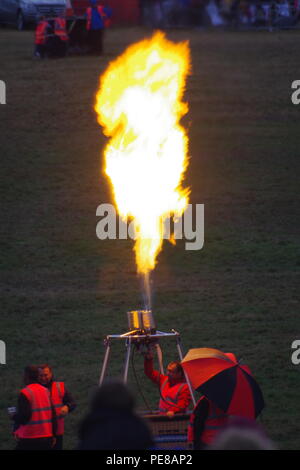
(223, 380)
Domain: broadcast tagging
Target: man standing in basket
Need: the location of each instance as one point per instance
(174, 391)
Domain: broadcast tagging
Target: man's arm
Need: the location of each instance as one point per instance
(152, 374)
(69, 401)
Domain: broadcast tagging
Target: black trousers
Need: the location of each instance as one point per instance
(42, 443)
(59, 443)
(95, 40)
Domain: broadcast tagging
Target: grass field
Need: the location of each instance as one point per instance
(63, 289)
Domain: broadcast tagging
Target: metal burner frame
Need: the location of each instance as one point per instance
(137, 338)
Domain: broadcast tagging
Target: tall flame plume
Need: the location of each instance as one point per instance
(139, 105)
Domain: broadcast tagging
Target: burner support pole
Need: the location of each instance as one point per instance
(178, 344)
(160, 359)
(127, 358)
(138, 337)
(105, 361)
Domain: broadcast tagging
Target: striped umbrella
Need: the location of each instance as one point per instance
(225, 381)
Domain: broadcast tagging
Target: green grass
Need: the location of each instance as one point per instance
(63, 289)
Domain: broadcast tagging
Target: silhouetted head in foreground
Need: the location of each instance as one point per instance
(242, 434)
(113, 394)
(111, 423)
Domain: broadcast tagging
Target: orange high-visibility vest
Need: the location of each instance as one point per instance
(60, 29)
(40, 423)
(40, 32)
(57, 394)
(101, 12)
(170, 394)
(215, 421)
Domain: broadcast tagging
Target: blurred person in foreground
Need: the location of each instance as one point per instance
(174, 392)
(62, 400)
(34, 421)
(111, 423)
(242, 434)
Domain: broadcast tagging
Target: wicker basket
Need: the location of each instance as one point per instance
(169, 433)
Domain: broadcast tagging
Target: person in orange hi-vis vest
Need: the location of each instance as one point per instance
(61, 398)
(60, 28)
(57, 42)
(205, 423)
(41, 32)
(60, 32)
(34, 420)
(98, 18)
(174, 391)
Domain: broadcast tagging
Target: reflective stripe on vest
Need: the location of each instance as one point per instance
(215, 416)
(40, 423)
(163, 406)
(101, 12)
(57, 396)
(215, 421)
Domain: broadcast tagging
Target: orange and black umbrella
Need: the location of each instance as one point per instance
(223, 380)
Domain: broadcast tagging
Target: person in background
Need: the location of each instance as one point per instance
(98, 18)
(60, 30)
(111, 423)
(57, 40)
(174, 391)
(40, 39)
(34, 421)
(205, 423)
(62, 400)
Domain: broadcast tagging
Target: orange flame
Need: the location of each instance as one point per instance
(139, 106)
